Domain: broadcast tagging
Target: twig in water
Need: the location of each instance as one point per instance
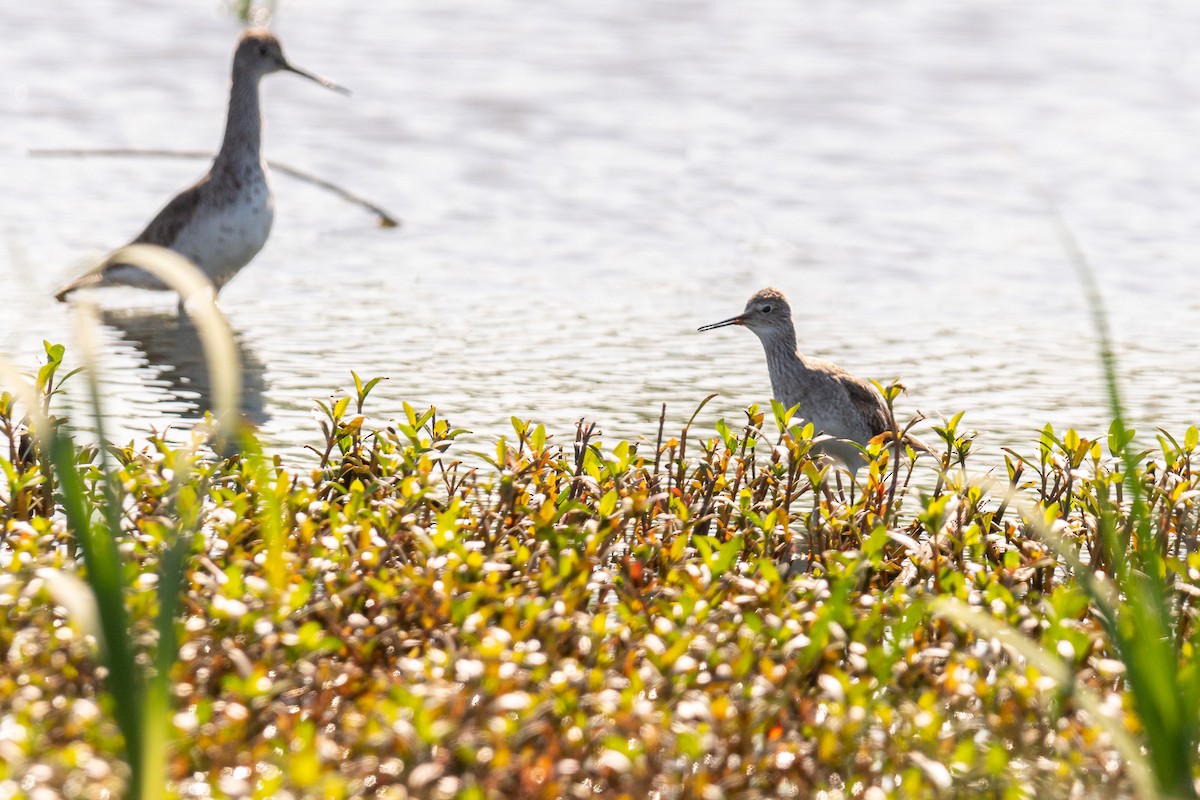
(386, 220)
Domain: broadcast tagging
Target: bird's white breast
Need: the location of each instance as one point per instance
(223, 238)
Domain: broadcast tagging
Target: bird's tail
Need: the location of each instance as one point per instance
(91, 279)
(910, 440)
(918, 445)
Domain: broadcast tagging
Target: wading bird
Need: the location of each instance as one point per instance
(223, 220)
(839, 405)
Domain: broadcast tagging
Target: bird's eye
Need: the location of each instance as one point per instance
(262, 49)
(766, 309)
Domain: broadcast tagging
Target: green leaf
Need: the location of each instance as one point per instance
(725, 557)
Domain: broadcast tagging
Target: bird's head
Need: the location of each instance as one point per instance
(766, 313)
(260, 52)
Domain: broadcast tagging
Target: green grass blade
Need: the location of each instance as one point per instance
(104, 576)
(1144, 635)
(1140, 772)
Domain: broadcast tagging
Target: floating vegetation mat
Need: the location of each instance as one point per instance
(681, 617)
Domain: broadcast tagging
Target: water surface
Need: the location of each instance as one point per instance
(584, 184)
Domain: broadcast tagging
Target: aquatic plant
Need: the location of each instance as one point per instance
(713, 614)
(252, 12)
(93, 502)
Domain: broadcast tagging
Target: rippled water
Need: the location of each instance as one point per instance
(583, 184)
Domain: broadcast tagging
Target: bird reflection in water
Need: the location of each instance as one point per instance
(171, 344)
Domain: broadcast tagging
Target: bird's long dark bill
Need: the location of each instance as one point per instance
(738, 320)
(328, 84)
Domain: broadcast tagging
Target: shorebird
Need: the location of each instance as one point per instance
(847, 409)
(223, 220)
